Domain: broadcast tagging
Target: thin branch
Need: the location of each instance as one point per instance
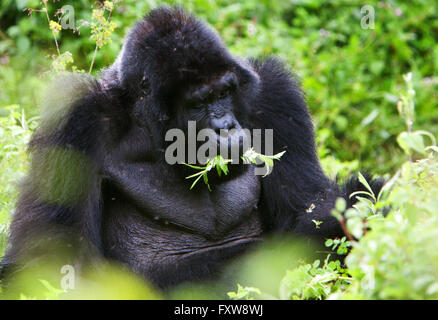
(94, 57)
(97, 46)
(345, 230)
(48, 20)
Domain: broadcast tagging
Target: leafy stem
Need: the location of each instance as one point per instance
(221, 165)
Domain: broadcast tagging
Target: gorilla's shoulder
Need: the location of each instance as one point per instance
(74, 112)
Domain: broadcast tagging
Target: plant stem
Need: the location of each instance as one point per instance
(345, 230)
(53, 33)
(92, 61)
(95, 49)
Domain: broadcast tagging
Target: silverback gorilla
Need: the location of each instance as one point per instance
(98, 176)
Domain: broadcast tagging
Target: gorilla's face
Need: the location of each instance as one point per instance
(213, 106)
(183, 73)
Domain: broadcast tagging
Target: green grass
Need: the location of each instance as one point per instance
(15, 131)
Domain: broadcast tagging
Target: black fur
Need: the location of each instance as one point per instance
(98, 176)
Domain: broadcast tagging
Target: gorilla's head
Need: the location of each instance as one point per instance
(176, 69)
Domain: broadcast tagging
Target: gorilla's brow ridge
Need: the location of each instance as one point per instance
(216, 84)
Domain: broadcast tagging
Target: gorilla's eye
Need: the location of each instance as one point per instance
(224, 93)
(198, 105)
(145, 85)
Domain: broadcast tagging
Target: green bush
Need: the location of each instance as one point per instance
(393, 257)
(15, 131)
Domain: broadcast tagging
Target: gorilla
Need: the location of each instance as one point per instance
(98, 177)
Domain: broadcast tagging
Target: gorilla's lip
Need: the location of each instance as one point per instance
(226, 244)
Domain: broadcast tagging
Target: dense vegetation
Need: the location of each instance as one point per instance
(369, 90)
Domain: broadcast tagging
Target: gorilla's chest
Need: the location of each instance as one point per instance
(162, 195)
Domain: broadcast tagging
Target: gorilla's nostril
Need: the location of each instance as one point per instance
(223, 125)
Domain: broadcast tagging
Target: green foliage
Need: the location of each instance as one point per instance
(15, 131)
(101, 27)
(44, 280)
(340, 245)
(310, 281)
(396, 259)
(221, 165)
(244, 293)
(217, 162)
(251, 156)
(391, 257)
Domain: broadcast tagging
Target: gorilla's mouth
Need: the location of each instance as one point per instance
(229, 244)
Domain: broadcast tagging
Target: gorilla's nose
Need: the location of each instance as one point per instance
(226, 122)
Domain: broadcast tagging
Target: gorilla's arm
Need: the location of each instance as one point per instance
(297, 191)
(61, 197)
(157, 190)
